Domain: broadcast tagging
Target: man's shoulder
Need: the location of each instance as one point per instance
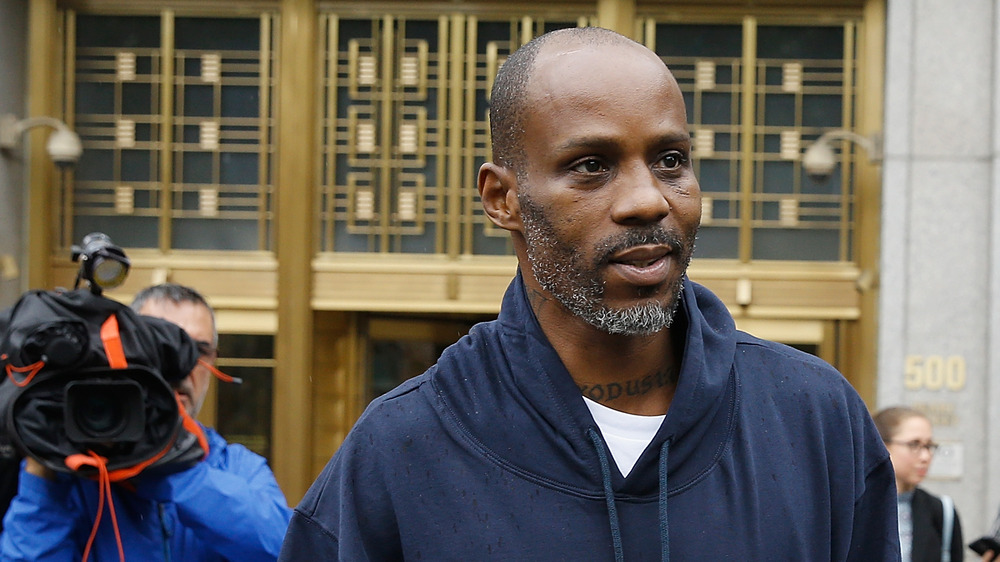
(784, 371)
(230, 456)
(780, 357)
(399, 408)
(215, 439)
(804, 387)
(458, 366)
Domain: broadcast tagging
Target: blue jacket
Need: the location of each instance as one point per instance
(228, 507)
(766, 453)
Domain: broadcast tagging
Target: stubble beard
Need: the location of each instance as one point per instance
(562, 270)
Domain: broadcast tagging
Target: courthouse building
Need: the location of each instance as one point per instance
(310, 166)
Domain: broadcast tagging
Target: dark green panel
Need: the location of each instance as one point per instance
(717, 242)
(126, 231)
(237, 34)
(206, 234)
(137, 166)
(800, 42)
(694, 40)
(796, 244)
(118, 31)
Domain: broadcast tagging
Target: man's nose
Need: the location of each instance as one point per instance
(640, 197)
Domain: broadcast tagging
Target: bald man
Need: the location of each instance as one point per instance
(612, 411)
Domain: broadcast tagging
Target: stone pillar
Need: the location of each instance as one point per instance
(618, 15)
(939, 312)
(13, 58)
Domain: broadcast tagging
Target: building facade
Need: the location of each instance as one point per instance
(310, 166)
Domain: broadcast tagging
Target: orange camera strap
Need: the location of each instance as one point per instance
(219, 374)
(112, 339)
(104, 491)
(31, 371)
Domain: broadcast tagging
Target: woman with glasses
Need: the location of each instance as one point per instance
(923, 518)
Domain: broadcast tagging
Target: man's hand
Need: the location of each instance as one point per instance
(31, 466)
(988, 556)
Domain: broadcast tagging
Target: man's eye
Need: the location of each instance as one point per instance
(589, 166)
(673, 160)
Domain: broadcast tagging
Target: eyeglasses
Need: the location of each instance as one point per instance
(916, 446)
(206, 349)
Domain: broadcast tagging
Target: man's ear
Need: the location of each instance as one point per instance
(498, 191)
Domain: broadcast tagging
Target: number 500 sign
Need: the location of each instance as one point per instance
(934, 372)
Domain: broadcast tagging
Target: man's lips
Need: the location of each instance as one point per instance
(643, 265)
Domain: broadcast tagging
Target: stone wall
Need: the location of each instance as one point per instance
(13, 57)
(939, 318)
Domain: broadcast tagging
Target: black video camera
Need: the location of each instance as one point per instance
(84, 375)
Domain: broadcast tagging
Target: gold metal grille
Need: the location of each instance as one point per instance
(179, 150)
(404, 130)
(119, 175)
(749, 128)
(177, 131)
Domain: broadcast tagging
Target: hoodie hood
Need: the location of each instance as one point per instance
(523, 400)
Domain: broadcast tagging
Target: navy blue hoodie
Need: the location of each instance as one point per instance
(766, 453)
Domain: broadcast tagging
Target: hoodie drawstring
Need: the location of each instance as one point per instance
(609, 495)
(664, 528)
(609, 498)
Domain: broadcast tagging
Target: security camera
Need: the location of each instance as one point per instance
(64, 147)
(819, 161)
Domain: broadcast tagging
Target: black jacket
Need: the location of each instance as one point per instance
(927, 523)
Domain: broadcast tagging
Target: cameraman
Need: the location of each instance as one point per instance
(228, 507)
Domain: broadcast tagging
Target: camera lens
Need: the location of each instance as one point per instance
(104, 411)
(97, 415)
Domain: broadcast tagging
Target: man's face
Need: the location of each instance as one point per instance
(197, 321)
(608, 198)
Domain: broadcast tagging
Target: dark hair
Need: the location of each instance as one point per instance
(507, 98)
(887, 420)
(176, 294)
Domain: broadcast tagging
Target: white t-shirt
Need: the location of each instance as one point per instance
(627, 435)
